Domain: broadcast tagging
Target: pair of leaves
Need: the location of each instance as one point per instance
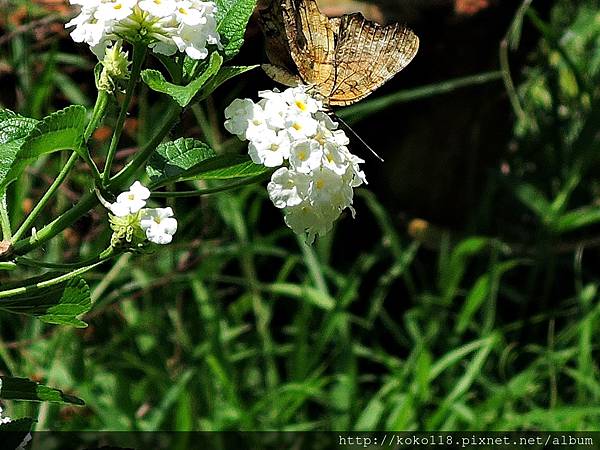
(201, 87)
(22, 140)
(55, 302)
(190, 159)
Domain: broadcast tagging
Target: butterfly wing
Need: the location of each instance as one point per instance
(367, 55)
(312, 40)
(270, 19)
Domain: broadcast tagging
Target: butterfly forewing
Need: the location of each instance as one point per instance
(367, 55)
(312, 38)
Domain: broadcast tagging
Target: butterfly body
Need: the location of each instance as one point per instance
(342, 59)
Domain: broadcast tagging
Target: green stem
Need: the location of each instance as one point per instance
(4, 219)
(121, 178)
(139, 54)
(30, 219)
(87, 202)
(106, 254)
(47, 283)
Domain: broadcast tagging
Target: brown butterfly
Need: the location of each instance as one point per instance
(343, 59)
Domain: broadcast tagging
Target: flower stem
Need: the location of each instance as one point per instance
(4, 219)
(139, 54)
(98, 113)
(47, 283)
(87, 202)
(121, 178)
(106, 254)
(30, 219)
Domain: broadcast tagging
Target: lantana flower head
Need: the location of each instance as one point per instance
(133, 224)
(317, 173)
(166, 26)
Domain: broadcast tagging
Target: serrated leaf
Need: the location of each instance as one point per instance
(62, 130)
(224, 74)
(183, 95)
(232, 19)
(13, 131)
(24, 389)
(58, 304)
(171, 159)
(226, 167)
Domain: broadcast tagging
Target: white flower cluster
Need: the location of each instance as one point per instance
(166, 26)
(318, 173)
(158, 224)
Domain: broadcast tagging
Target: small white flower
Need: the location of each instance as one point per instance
(301, 125)
(187, 14)
(287, 188)
(328, 188)
(245, 118)
(131, 201)
(158, 8)
(276, 110)
(271, 149)
(306, 155)
(310, 220)
(159, 224)
(114, 10)
(300, 101)
(335, 158)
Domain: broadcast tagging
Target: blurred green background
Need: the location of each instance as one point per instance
(464, 296)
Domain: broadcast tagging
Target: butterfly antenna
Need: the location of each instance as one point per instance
(361, 140)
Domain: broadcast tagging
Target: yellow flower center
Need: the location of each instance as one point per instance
(301, 105)
(320, 184)
(297, 126)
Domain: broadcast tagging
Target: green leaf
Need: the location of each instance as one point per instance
(225, 73)
(221, 167)
(171, 159)
(58, 303)
(577, 218)
(452, 271)
(13, 131)
(24, 389)
(232, 19)
(183, 95)
(534, 199)
(226, 167)
(62, 130)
